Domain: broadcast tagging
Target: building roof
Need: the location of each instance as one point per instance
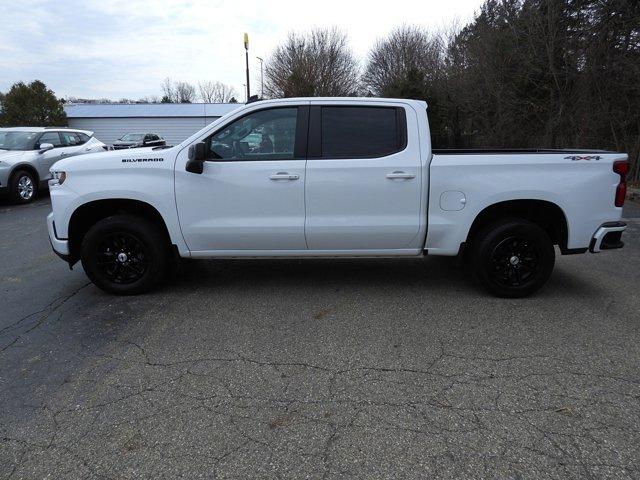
(44, 129)
(119, 110)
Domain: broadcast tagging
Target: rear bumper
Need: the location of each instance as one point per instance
(60, 247)
(608, 237)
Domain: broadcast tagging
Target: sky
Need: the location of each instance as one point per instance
(125, 48)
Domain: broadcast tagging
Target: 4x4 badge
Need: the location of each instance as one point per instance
(575, 158)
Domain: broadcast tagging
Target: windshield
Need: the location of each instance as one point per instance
(132, 137)
(18, 140)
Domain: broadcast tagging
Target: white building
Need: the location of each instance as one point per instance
(173, 121)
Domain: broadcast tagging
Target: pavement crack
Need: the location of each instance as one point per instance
(46, 312)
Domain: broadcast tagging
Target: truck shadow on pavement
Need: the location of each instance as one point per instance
(302, 273)
(429, 275)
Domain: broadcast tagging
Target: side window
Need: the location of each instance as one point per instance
(69, 139)
(263, 135)
(362, 132)
(50, 137)
(84, 138)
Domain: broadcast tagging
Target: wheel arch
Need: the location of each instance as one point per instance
(88, 214)
(547, 215)
(25, 166)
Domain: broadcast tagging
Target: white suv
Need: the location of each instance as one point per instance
(27, 154)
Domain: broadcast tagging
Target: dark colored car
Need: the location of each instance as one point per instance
(137, 140)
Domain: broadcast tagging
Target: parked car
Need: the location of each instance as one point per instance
(137, 140)
(328, 177)
(27, 154)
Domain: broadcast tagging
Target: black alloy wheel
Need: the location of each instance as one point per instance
(126, 254)
(512, 257)
(515, 262)
(122, 258)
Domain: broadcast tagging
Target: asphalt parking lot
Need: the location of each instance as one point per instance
(316, 369)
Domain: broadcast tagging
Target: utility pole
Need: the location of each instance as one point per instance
(261, 78)
(246, 51)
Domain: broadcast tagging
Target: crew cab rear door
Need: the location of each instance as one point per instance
(363, 178)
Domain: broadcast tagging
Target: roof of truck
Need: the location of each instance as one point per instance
(344, 99)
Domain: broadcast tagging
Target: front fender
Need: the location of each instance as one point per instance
(153, 187)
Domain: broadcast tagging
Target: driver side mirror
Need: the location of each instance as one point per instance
(197, 156)
(45, 147)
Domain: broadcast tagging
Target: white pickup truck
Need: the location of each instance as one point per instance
(332, 177)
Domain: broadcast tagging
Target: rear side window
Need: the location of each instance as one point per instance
(70, 139)
(362, 132)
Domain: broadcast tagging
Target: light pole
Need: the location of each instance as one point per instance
(261, 78)
(246, 51)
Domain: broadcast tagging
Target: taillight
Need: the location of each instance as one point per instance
(621, 167)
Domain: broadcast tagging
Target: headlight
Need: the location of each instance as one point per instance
(57, 178)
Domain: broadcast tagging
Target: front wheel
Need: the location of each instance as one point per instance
(513, 258)
(23, 187)
(125, 255)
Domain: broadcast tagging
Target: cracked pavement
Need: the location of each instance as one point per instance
(316, 369)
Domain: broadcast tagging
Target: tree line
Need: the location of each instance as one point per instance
(521, 74)
(207, 92)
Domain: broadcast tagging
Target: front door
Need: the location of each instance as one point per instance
(364, 179)
(250, 196)
(46, 159)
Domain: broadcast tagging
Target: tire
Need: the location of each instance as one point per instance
(125, 255)
(23, 187)
(512, 258)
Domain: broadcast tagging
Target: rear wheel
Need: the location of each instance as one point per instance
(23, 187)
(513, 258)
(125, 255)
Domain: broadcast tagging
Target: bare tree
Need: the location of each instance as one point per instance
(185, 92)
(403, 64)
(319, 63)
(168, 90)
(178, 92)
(216, 92)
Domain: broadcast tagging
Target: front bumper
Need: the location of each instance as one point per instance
(608, 237)
(60, 247)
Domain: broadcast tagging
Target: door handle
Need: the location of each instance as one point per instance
(401, 175)
(284, 176)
